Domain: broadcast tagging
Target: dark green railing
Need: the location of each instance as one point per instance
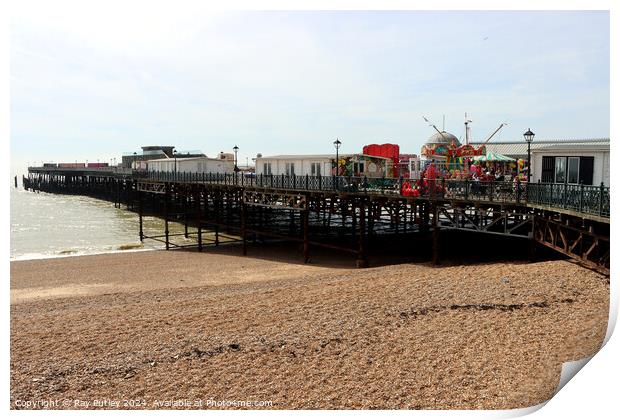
(586, 199)
(580, 198)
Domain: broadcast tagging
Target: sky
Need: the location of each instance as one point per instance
(93, 83)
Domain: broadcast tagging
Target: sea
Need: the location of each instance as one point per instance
(52, 226)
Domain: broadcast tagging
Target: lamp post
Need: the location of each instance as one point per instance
(337, 144)
(529, 137)
(236, 149)
(174, 154)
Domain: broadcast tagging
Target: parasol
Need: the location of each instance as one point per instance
(492, 157)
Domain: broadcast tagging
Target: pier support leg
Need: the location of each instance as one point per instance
(405, 205)
(436, 237)
(371, 219)
(128, 188)
(261, 217)
(185, 199)
(243, 233)
(166, 231)
(353, 225)
(362, 255)
(306, 228)
(396, 217)
(425, 216)
(324, 211)
(116, 194)
(216, 204)
(329, 214)
(140, 210)
(198, 210)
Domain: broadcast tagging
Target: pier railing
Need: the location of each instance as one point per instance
(580, 198)
(587, 199)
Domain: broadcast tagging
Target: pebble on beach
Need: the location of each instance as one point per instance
(302, 336)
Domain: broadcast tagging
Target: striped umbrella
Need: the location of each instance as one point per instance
(493, 157)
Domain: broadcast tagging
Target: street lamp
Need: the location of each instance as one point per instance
(236, 149)
(337, 144)
(529, 138)
(174, 154)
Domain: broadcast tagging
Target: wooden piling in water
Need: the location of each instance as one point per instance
(140, 211)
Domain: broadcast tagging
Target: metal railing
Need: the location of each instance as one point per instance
(113, 170)
(581, 198)
(585, 199)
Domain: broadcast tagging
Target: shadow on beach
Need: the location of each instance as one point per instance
(457, 248)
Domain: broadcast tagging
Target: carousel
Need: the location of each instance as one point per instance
(446, 156)
(449, 155)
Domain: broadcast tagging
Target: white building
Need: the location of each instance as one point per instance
(586, 164)
(321, 165)
(562, 161)
(201, 164)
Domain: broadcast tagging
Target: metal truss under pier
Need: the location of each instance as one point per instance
(345, 214)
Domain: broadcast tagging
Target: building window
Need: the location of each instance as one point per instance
(573, 170)
(267, 168)
(315, 169)
(568, 169)
(290, 168)
(560, 170)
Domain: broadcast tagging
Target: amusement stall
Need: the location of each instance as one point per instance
(449, 157)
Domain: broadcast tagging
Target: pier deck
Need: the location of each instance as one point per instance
(351, 214)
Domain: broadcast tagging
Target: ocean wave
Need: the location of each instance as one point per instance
(44, 256)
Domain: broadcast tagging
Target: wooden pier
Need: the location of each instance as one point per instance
(348, 214)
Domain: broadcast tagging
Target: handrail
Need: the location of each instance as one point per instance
(586, 199)
(580, 198)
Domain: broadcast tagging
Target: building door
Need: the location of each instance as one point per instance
(548, 169)
(586, 169)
